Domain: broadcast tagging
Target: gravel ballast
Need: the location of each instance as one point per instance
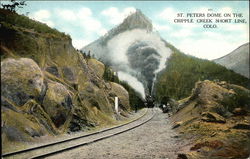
(154, 139)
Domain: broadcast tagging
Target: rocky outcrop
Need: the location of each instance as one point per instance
(21, 80)
(47, 87)
(216, 117)
(136, 20)
(19, 127)
(242, 125)
(122, 94)
(97, 66)
(239, 111)
(212, 117)
(57, 103)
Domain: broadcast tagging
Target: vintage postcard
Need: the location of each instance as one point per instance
(125, 79)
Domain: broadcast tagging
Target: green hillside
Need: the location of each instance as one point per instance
(14, 20)
(182, 71)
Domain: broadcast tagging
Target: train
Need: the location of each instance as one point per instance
(149, 101)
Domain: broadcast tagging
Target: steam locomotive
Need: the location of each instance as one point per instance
(149, 101)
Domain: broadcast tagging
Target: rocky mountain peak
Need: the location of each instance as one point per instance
(137, 20)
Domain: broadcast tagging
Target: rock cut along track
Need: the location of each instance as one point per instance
(82, 140)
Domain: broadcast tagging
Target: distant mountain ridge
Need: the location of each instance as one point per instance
(237, 60)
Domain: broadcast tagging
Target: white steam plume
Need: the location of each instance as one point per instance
(119, 45)
(117, 49)
(133, 82)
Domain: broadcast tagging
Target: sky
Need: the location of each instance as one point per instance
(86, 21)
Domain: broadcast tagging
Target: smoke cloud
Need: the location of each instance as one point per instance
(117, 52)
(133, 82)
(138, 55)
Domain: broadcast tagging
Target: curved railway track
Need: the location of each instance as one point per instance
(68, 144)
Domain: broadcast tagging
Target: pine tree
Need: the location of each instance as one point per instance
(14, 5)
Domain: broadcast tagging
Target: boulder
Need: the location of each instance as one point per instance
(208, 92)
(122, 94)
(212, 117)
(20, 127)
(100, 100)
(243, 125)
(177, 124)
(21, 80)
(53, 70)
(219, 109)
(97, 66)
(78, 124)
(239, 111)
(68, 73)
(57, 103)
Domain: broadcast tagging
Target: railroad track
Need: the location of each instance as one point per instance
(68, 144)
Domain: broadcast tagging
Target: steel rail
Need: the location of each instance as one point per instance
(71, 139)
(91, 142)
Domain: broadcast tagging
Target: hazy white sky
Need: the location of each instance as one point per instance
(86, 21)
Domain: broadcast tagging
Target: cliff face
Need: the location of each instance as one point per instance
(47, 86)
(237, 60)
